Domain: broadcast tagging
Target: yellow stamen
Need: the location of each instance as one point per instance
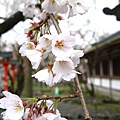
(53, 1)
(18, 107)
(30, 46)
(46, 39)
(62, 62)
(59, 44)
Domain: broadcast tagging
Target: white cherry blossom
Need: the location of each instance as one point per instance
(45, 75)
(50, 115)
(67, 77)
(27, 24)
(13, 105)
(63, 66)
(26, 46)
(47, 116)
(45, 42)
(76, 57)
(63, 69)
(59, 116)
(42, 15)
(33, 116)
(34, 55)
(22, 38)
(76, 6)
(29, 8)
(27, 110)
(62, 45)
(53, 6)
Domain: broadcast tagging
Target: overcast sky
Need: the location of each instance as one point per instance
(99, 20)
(102, 21)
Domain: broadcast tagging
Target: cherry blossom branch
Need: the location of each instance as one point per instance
(55, 22)
(45, 97)
(76, 80)
(40, 24)
(79, 91)
(60, 98)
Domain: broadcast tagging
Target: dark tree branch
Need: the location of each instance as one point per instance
(2, 18)
(11, 22)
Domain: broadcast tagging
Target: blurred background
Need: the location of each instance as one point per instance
(97, 33)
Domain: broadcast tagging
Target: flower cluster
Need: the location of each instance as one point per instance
(64, 57)
(33, 109)
(71, 7)
(37, 43)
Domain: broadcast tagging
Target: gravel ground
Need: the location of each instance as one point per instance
(76, 111)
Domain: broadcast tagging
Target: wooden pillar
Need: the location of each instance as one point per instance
(1, 76)
(101, 73)
(111, 74)
(13, 73)
(28, 84)
(5, 65)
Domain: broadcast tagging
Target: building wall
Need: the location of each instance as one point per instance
(104, 65)
(109, 87)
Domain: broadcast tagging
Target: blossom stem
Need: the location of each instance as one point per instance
(55, 22)
(80, 94)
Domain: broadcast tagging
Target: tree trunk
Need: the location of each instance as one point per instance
(28, 84)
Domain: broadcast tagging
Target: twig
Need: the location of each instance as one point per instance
(55, 22)
(79, 91)
(45, 97)
(60, 98)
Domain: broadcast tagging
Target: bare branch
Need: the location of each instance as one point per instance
(44, 97)
(79, 92)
